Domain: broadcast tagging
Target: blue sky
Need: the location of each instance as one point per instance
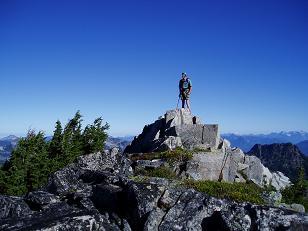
(122, 60)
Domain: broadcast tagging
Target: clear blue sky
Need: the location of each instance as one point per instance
(248, 62)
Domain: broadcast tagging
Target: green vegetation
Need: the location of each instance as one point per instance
(34, 159)
(243, 174)
(240, 192)
(139, 178)
(162, 172)
(297, 193)
(195, 150)
(178, 154)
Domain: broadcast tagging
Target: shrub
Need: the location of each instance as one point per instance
(178, 154)
(297, 193)
(241, 192)
(162, 172)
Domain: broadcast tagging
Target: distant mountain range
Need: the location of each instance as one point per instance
(246, 142)
(303, 146)
(8, 143)
(6, 146)
(119, 142)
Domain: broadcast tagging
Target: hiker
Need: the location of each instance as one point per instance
(185, 88)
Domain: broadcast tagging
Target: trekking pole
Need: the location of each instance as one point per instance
(177, 106)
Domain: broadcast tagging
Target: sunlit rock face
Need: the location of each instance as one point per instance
(215, 159)
(177, 128)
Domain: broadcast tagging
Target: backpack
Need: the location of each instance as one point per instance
(185, 84)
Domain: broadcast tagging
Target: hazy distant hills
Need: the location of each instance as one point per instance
(6, 146)
(246, 142)
(10, 139)
(119, 142)
(303, 146)
(9, 142)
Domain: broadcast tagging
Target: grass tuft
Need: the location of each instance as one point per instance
(162, 172)
(178, 154)
(240, 192)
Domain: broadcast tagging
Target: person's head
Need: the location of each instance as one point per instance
(184, 75)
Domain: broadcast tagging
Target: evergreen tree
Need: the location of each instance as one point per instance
(94, 136)
(297, 193)
(72, 139)
(55, 145)
(3, 188)
(34, 159)
(38, 164)
(55, 149)
(28, 167)
(301, 183)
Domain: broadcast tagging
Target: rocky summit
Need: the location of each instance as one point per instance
(177, 128)
(213, 158)
(106, 191)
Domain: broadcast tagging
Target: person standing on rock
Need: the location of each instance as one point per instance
(185, 88)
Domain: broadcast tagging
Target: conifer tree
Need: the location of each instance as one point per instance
(38, 165)
(94, 136)
(55, 146)
(28, 168)
(34, 159)
(3, 188)
(72, 139)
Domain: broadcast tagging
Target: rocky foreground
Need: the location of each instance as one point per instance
(98, 193)
(104, 191)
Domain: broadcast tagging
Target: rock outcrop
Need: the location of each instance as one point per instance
(232, 165)
(177, 128)
(97, 193)
(213, 157)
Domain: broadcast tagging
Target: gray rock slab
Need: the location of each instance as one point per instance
(193, 135)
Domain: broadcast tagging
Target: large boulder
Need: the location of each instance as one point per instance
(218, 165)
(105, 166)
(37, 200)
(196, 135)
(232, 165)
(180, 117)
(13, 207)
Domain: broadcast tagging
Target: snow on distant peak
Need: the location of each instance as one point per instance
(10, 138)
